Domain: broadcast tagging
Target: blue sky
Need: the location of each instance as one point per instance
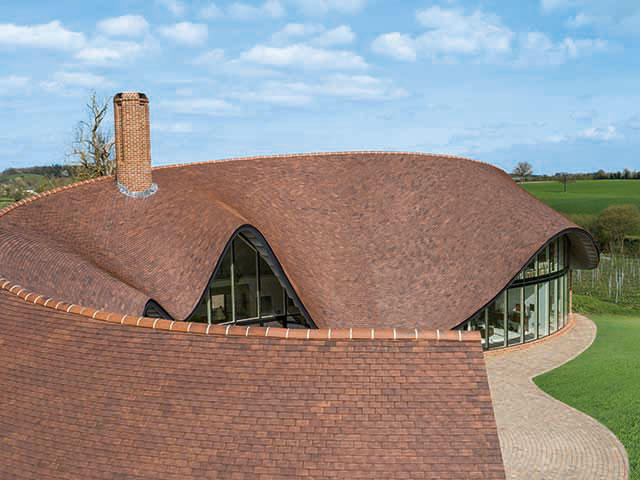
(552, 82)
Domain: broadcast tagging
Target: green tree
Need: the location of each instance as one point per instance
(614, 224)
(92, 149)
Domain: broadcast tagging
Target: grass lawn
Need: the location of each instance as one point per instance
(604, 382)
(585, 198)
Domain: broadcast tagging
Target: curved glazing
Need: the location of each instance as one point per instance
(535, 305)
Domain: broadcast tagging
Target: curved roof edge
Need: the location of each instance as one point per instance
(277, 268)
(585, 256)
(235, 331)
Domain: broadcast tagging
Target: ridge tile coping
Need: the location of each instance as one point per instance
(242, 331)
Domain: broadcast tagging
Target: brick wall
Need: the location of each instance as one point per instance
(133, 146)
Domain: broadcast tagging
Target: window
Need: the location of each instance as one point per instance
(553, 305)
(246, 290)
(530, 313)
(245, 261)
(535, 305)
(515, 315)
(497, 318)
(543, 309)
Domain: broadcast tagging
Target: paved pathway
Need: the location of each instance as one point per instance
(542, 438)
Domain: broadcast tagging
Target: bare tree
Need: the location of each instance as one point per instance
(523, 169)
(565, 179)
(92, 147)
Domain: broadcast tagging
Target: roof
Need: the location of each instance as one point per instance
(89, 398)
(366, 239)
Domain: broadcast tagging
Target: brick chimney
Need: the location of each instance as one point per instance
(133, 146)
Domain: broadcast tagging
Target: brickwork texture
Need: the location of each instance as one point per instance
(90, 399)
(133, 143)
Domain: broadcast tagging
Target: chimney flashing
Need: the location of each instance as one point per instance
(147, 193)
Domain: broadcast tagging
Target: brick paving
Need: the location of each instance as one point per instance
(540, 437)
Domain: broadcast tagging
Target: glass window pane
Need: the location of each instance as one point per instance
(543, 261)
(246, 282)
(496, 322)
(561, 302)
(220, 292)
(477, 324)
(530, 313)
(530, 270)
(553, 305)
(293, 312)
(553, 261)
(561, 253)
(271, 292)
(514, 311)
(543, 309)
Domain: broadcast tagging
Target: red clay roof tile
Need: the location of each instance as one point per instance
(366, 239)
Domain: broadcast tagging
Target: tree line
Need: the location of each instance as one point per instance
(523, 171)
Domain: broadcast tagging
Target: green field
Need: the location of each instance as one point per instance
(585, 197)
(604, 382)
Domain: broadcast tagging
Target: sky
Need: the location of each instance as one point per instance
(551, 82)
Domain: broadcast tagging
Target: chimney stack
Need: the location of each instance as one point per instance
(133, 146)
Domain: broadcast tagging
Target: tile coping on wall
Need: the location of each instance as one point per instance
(242, 331)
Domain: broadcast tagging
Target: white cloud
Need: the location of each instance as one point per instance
(454, 32)
(210, 11)
(321, 7)
(291, 94)
(600, 133)
(302, 55)
(538, 49)
(295, 31)
(60, 81)
(176, 7)
(105, 52)
(48, 35)
(124, 26)
(13, 83)
(450, 32)
(338, 36)
(360, 87)
(551, 5)
(244, 11)
(353, 87)
(186, 33)
(214, 56)
(396, 45)
(579, 21)
(314, 34)
(177, 127)
(203, 106)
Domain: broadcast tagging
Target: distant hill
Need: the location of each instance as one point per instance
(19, 183)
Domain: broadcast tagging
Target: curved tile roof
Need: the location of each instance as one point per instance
(85, 398)
(366, 238)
